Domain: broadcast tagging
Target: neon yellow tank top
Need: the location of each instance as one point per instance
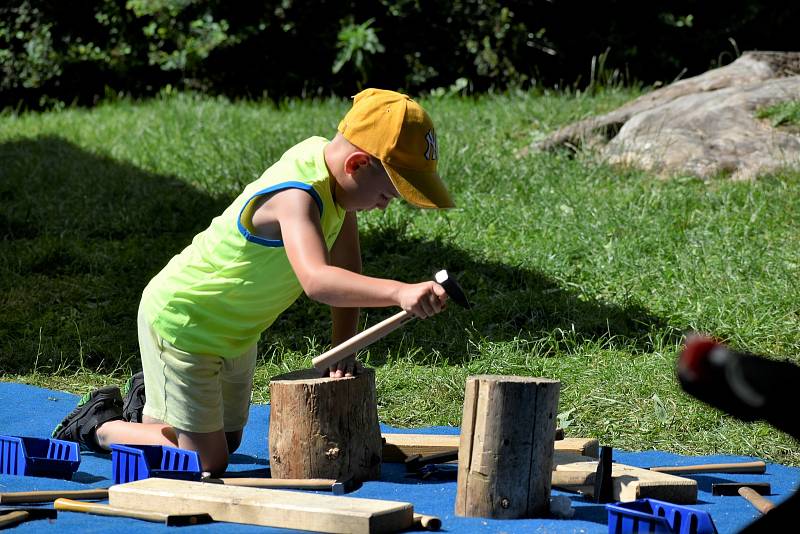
(221, 292)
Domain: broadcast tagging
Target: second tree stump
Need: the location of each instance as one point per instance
(505, 457)
(324, 427)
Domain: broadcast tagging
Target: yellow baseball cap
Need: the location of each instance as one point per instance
(396, 130)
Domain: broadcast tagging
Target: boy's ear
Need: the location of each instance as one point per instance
(355, 161)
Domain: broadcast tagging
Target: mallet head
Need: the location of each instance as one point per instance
(732, 488)
(452, 288)
(34, 512)
(344, 485)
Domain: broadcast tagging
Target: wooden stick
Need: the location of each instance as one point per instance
(428, 522)
(20, 497)
(69, 505)
(12, 518)
(276, 483)
(359, 341)
(742, 467)
(760, 503)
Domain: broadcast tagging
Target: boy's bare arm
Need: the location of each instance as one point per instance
(300, 228)
(345, 253)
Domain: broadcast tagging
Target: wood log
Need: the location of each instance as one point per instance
(324, 427)
(506, 449)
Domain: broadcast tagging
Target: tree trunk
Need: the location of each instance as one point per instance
(506, 452)
(324, 427)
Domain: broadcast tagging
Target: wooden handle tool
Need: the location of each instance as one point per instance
(376, 332)
(25, 497)
(428, 522)
(359, 341)
(173, 520)
(757, 467)
(12, 516)
(321, 484)
(760, 503)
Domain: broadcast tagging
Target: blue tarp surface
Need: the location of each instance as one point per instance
(32, 411)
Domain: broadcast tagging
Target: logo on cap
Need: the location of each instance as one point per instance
(431, 151)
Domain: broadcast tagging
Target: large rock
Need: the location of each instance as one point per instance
(702, 125)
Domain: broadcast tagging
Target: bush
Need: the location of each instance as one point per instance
(83, 51)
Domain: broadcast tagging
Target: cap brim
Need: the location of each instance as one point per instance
(422, 189)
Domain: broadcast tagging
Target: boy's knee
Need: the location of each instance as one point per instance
(216, 467)
(234, 439)
(211, 447)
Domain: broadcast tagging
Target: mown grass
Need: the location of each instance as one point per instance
(578, 271)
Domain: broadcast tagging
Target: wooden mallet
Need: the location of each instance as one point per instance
(384, 328)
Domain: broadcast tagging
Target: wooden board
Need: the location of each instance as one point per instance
(399, 446)
(631, 483)
(266, 507)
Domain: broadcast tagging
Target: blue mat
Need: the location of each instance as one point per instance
(32, 411)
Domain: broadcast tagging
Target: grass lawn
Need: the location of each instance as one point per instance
(578, 271)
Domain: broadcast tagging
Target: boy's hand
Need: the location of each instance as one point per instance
(347, 367)
(422, 300)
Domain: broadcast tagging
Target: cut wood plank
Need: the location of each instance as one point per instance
(398, 447)
(266, 507)
(631, 483)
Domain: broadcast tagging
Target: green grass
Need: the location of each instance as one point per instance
(578, 271)
(784, 114)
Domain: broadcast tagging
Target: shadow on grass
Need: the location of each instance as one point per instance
(508, 303)
(81, 234)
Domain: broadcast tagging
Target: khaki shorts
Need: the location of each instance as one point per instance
(194, 392)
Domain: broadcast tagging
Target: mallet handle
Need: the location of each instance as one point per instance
(760, 503)
(287, 483)
(104, 509)
(20, 497)
(359, 341)
(12, 518)
(428, 522)
(742, 467)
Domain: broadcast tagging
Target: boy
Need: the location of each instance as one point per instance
(293, 230)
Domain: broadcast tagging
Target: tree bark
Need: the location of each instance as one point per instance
(324, 427)
(505, 457)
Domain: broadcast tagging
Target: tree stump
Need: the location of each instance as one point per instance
(324, 427)
(505, 457)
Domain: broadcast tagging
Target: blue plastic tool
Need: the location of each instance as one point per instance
(38, 457)
(135, 462)
(657, 517)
